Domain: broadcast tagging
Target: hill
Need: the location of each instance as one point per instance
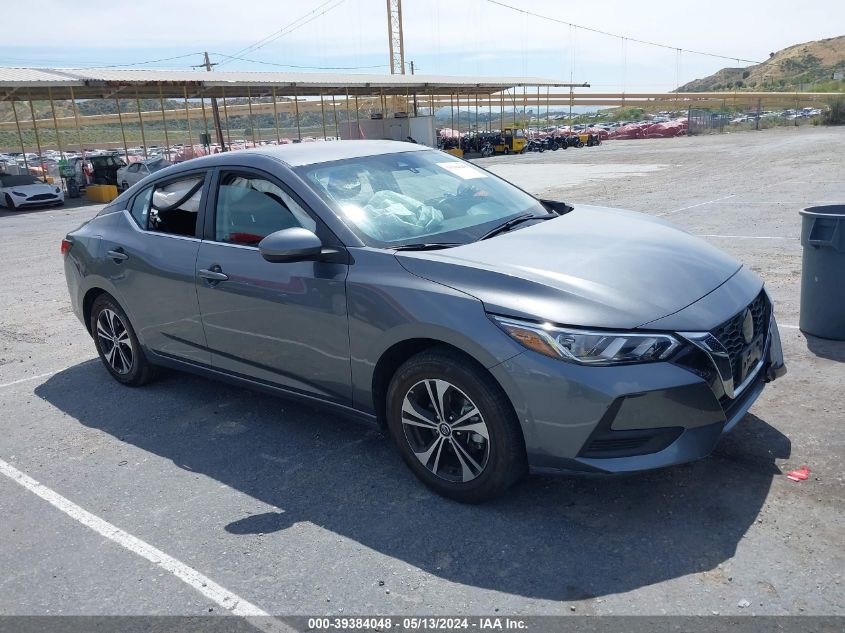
(805, 66)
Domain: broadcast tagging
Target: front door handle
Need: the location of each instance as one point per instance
(117, 255)
(214, 274)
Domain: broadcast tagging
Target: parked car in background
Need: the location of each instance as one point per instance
(17, 192)
(490, 332)
(129, 174)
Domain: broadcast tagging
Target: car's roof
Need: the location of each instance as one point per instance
(298, 154)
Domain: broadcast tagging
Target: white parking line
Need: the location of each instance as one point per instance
(791, 327)
(28, 378)
(693, 206)
(233, 603)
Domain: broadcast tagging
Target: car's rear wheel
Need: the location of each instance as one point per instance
(454, 426)
(117, 343)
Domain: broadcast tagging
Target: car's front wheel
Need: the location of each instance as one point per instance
(455, 427)
(10, 204)
(117, 343)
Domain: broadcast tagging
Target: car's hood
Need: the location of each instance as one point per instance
(594, 266)
(31, 190)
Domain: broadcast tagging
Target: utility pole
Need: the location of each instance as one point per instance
(214, 111)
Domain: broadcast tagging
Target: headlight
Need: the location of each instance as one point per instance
(18, 193)
(589, 347)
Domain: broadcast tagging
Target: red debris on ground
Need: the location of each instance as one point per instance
(799, 474)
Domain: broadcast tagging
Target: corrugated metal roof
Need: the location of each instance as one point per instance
(25, 83)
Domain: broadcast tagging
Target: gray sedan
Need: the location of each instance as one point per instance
(488, 331)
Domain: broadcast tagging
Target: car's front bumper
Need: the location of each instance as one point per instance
(43, 201)
(623, 418)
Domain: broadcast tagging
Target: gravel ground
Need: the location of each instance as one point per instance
(302, 512)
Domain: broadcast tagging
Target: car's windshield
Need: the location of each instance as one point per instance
(17, 181)
(423, 196)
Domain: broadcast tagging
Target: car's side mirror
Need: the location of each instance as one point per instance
(557, 206)
(290, 245)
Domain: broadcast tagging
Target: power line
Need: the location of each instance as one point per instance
(152, 61)
(622, 37)
(92, 65)
(291, 27)
(258, 61)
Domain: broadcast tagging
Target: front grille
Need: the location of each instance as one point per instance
(42, 196)
(730, 336)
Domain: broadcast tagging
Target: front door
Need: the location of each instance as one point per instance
(281, 323)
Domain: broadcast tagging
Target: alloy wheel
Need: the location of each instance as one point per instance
(115, 343)
(445, 430)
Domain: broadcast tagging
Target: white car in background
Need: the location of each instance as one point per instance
(137, 171)
(17, 192)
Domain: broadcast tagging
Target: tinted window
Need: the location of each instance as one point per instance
(175, 206)
(249, 208)
(17, 181)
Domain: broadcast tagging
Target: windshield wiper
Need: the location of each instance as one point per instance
(506, 226)
(426, 246)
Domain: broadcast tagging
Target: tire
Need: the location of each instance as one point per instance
(124, 360)
(460, 464)
(10, 204)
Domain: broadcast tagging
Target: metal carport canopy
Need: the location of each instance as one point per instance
(93, 83)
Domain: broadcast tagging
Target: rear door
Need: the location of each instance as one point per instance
(150, 254)
(280, 323)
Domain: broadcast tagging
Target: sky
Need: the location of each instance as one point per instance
(455, 37)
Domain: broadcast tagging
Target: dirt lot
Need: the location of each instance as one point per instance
(296, 511)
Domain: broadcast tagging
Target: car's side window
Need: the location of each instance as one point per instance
(249, 208)
(133, 168)
(141, 206)
(175, 206)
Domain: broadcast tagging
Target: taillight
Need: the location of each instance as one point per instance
(66, 244)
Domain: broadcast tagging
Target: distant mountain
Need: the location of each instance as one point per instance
(797, 66)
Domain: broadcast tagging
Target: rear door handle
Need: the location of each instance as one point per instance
(117, 255)
(212, 275)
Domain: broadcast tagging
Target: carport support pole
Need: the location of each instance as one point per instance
(164, 122)
(323, 114)
(205, 121)
(55, 122)
(251, 119)
(476, 113)
(37, 141)
(76, 122)
(188, 120)
(122, 129)
(452, 111)
(276, 117)
(296, 107)
(141, 121)
(225, 116)
(334, 111)
(346, 118)
(20, 135)
(357, 116)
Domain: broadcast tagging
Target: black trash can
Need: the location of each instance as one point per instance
(823, 271)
